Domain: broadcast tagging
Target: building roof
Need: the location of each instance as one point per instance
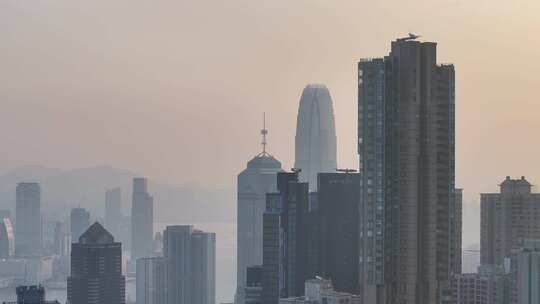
(96, 234)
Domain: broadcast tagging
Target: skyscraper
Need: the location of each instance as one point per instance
(152, 280)
(142, 220)
(285, 239)
(507, 218)
(7, 239)
(96, 269)
(113, 211)
(62, 239)
(28, 219)
(79, 222)
(338, 196)
(406, 140)
(191, 262)
(254, 182)
(315, 141)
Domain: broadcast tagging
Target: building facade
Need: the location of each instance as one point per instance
(28, 238)
(285, 250)
(96, 269)
(507, 218)
(490, 285)
(152, 280)
(338, 197)
(7, 239)
(406, 146)
(191, 256)
(113, 211)
(315, 141)
(142, 220)
(254, 182)
(79, 222)
(525, 273)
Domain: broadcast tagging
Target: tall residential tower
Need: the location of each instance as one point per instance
(406, 140)
(315, 141)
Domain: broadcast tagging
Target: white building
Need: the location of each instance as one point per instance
(321, 291)
(315, 141)
(254, 182)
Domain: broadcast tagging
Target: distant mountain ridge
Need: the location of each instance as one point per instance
(85, 187)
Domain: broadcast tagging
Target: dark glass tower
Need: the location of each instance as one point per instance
(285, 266)
(338, 196)
(96, 269)
(406, 140)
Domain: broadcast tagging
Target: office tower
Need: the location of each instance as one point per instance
(142, 220)
(315, 141)
(62, 240)
(507, 218)
(406, 140)
(285, 265)
(525, 273)
(338, 197)
(254, 182)
(79, 222)
(253, 286)
(490, 285)
(7, 239)
(113, 211)
(191, 258)
(96, 269)
(28, 219)
(152, 280)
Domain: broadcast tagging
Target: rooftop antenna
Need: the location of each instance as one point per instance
(264, 132)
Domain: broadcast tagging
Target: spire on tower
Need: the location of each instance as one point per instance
(264, 133)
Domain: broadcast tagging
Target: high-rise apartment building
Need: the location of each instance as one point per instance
(113, 211)
(285, 240)
(28, 238)
(254, 182)
(191, 258)
(142, 220)
(507, 218)
(315, 141)
(490, 285)
(525, 273)
(96, 269)
(79, 222)
(406, 141)
(152, 280)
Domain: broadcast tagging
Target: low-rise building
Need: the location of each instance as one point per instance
(321, 291)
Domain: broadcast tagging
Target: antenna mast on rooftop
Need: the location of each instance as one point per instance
(264, 132)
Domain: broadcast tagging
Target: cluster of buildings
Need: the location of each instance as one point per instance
(87, 259)
(389, 231)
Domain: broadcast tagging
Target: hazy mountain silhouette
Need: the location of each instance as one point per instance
(85, 187)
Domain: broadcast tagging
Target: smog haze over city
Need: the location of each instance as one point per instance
(164, 101)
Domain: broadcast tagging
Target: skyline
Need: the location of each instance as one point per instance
(171, 84)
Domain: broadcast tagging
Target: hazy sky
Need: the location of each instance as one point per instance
(176, 89)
